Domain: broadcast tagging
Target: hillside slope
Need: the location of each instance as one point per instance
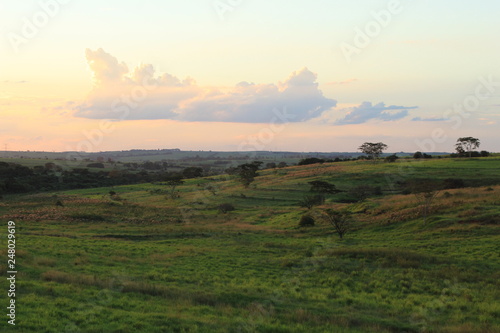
(134, 258)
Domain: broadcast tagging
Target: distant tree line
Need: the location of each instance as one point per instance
(16, 178)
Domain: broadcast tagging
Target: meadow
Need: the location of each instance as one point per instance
(134, 259)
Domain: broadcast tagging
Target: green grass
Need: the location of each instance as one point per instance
(143, 262)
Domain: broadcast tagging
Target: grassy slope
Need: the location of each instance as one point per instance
(146, 263)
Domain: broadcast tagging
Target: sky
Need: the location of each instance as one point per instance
(242, 75)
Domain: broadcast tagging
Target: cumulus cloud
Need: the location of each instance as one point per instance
(367, 111)
(142, 94)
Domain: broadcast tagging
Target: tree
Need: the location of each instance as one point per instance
(246, 173)
(391, 159)
(340, 220)
(309, 201)
(172, 184)
(225, 207)
(323, 187)
(467, 145)
(192, 172)
(311, 160)
(418, 155)
(373, 150)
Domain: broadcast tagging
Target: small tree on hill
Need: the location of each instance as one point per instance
(467, 145)
(373, 150)
(247, 172)
(340, 220)
(172, 184)
(323, 187)
(309, 201)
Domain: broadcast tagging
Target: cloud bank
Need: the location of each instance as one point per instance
(142, 94)
(367, 111)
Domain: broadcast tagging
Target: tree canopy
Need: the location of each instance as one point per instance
(373, 150)
(467, 145)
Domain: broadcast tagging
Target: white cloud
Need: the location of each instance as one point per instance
(367, 111)
(141, 94)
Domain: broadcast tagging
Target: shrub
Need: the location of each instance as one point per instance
(59, 203)
(323, 187)
(311, 160)
(95, 165)
(340, 220)
(226, 207)
(306, 221)
(310, 201)
(453, 183)
(391, 158)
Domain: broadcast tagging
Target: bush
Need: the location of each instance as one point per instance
(484, 153)
(310, 201)
(391, 158)
(311, 160)
(95, 165)
(306, 221)
(361, 192)
(226, 207)
(323, 187)
(453, 183)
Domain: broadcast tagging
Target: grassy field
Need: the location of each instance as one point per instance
(140, 261)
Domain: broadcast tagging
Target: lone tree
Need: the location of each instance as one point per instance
(340, 220)
(246, 173)
(172, 183)
(309, 201)
(323, 187)
(467, 145)
(373, 150)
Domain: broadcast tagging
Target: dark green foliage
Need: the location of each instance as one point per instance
(192, 172)
(311, 160)
(418, 155)
(466, 145)
(246, 173)
(391, 158)
(172, 184)
(340, 220)
(59, 203)
(323, 187)
(373, 150)
(226, 207)
(95, 165)
(362, 192)
(453, 183)
(306, 221)
(270, 165)
(309, 201)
